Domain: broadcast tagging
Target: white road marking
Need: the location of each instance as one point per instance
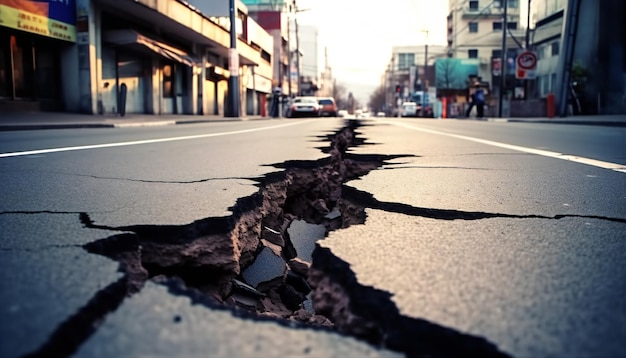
(546, 153)
(138, 142)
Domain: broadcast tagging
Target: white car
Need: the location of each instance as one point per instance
(304, 107)
(410, 109)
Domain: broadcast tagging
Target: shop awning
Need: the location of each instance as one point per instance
(130, 37)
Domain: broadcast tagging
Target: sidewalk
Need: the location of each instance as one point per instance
(616, 120)
(13, 121)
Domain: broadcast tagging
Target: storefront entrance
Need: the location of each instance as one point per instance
(29, 71)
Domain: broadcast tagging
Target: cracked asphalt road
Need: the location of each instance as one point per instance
(461, 240)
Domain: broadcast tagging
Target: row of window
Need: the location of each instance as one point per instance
(548, 50)
(475, 4)
(495, 26)
(406, 60)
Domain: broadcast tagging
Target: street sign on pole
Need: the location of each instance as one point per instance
(526, 65)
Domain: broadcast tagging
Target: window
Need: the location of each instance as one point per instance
(497, 3)
(472, 53)
(473, 27)
(496, 53)
(511, 25)
(405, 61)
(540, 52)
(497, 26)
(513, 4)
(555, 48)
(473, 5)
(545, 85)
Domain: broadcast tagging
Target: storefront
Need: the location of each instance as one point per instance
(33, 37)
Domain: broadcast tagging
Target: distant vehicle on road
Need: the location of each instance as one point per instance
(343, 113)
(410, 109)
(304, 107)
(329, 108)
(422, 100)
(380, 114)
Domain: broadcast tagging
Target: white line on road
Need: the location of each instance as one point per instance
(574, 158)
(138, 142)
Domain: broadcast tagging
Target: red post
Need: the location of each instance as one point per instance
(263, 105)
(550, 105)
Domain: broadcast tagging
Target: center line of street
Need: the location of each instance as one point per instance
(138, 142)
(546, 153)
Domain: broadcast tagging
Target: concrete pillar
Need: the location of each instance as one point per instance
(86, 44)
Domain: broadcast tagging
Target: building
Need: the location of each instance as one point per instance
(127, 56)
(405, 72)
(276, 17)
(597, 64)
(327, 80)
(308, 46)
(475, 32)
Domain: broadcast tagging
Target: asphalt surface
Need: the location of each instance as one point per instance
(561, 269)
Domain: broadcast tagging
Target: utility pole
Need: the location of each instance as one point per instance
(299, 80)
(424, 89)
(503, 65)
(289, 53)
(233, 66)
(528, 27)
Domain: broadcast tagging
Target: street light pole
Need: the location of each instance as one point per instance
(233, 66)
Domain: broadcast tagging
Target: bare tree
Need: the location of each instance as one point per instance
(377, 99)
(339, 93)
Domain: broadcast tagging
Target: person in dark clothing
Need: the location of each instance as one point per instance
(477, 98)
(472, 103)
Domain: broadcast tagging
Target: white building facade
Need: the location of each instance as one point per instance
(475, 32)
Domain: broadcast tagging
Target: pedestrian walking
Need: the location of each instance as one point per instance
(477, 99)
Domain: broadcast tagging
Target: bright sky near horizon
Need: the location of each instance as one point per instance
(359, 34)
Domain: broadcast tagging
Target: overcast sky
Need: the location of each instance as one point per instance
(359, 34)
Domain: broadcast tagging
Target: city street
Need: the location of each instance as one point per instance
(314, 237)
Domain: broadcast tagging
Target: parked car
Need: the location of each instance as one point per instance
(304, 107)
(329, 108)
(380, 114)
(343, 113)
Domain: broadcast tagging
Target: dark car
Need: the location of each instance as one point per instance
(329, 108)
(304, 107)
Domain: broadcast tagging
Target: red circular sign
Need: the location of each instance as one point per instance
(527, 60)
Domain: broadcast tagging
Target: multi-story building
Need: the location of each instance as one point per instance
(475, 32)
(309, 72)
(598, 60)
(129, 56)
(327, 80)
(406, 72)
(277, 18)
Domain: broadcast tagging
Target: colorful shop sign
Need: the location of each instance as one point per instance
(52, 18)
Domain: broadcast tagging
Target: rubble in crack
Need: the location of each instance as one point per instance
(264, 260)
(258, 259)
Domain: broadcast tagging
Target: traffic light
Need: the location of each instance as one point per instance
(398, 89)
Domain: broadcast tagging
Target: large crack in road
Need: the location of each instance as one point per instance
(262, 262)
